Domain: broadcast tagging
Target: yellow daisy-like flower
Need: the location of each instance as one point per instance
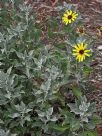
(69, 17)
(80, 51)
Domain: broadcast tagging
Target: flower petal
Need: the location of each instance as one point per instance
(87, 51)
(75, 54)
(86, 54)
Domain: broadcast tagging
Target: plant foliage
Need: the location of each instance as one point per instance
(36, 78)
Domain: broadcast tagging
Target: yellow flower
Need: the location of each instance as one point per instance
(69, 17)
(80, 51)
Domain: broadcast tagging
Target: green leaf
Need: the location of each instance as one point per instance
(77, 92)
(15, 115)
(91, 133)
(74, 125)
(96, 119)
(88, 133)
(49, 111)
(9, 71)
(1, 121)
(61, 128)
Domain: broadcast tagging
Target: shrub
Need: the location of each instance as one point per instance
(43, 86)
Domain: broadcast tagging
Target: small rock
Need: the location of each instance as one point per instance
(100, 47)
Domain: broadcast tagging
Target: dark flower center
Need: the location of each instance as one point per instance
(81, 52)
(70, 17)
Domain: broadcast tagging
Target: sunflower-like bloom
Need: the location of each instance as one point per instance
(69, 17)
(80, 51)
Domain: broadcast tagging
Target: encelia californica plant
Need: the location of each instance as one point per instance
(43, 84)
